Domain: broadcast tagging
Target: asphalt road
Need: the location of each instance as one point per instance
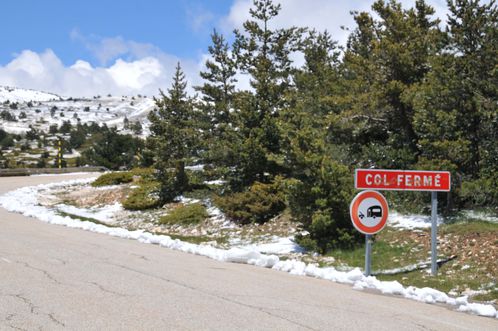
(53, 277)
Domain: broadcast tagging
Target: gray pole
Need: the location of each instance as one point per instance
(368, 253)
(434, 233)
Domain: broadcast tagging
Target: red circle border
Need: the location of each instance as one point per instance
(354, 215)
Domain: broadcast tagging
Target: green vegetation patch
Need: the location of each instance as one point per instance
(186, 215)
(480, 227)
(113, 178)
(146, 196)
(257, 205)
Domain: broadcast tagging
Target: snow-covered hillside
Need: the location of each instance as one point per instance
(40, 110)
(14, 94)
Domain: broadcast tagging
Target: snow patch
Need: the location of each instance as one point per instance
(277, 245)
(102, 214)
(215, 182)
(198, 167)
(472, 214)
(479, 309)
(400, 221)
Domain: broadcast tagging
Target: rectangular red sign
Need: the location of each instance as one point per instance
(402, 180)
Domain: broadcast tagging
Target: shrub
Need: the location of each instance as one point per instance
(7, 116)
(113, 178)
(113, 150)
(146, 174)
(259, 204)
(481, 192)
(146, 196)
(169, 186)
(321, 201)
(186, 215)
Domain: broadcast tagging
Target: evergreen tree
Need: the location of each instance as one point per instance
(385, 60)
(174, 136)
(112, 150)
(217, 94)
(457, 113)
(320, 189)
(264, 54)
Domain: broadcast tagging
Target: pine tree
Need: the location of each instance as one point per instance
(385, 60)
(473, 41)
(174, 136)
(457, 112)
(218, 92)
(219, 86)
(320, 190)
(263, 54)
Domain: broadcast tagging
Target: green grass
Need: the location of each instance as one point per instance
(386, 253)
(449, 277)
(186, 215)
(466, 227)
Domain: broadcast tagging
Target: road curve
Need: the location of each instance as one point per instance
(53, 277)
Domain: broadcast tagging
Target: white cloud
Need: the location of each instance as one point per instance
(107, 49)
(199, 18)
(319, 14)
(130, 67)
(45, 71)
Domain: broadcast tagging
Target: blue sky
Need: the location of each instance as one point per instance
(180, 27)
(84, 48)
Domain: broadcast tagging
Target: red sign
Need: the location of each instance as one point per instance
(402, 180)
(369, 211)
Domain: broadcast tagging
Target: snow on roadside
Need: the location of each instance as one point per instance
(24, 201)
(276, 245)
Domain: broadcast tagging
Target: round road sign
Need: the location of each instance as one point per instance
(369, 211)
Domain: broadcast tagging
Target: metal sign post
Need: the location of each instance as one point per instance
(368, 254)
(434, 233)
(369, 212)
(59, 153)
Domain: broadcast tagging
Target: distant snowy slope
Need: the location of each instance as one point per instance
(29, 108)
(14, 94)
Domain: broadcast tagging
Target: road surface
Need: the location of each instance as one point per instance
(53, 277)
